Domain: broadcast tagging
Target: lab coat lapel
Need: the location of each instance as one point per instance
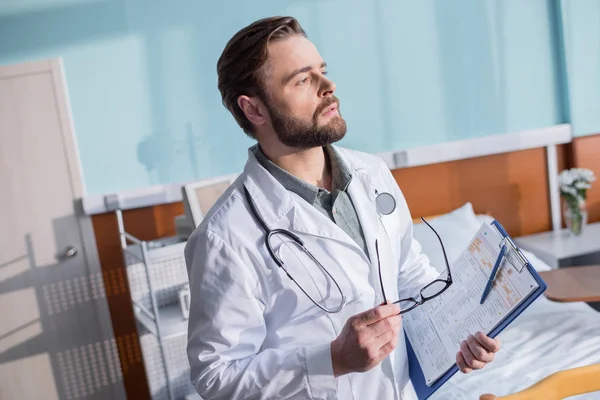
(362, 194)
(310, 221)
(285, 210)
(282, 209)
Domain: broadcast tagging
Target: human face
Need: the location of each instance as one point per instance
(300, 98)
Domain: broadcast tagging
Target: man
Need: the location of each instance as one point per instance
(268, 320)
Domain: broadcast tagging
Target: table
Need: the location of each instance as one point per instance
(562, 249)
(573, 284)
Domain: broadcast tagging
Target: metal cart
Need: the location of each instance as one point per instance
(156, 272)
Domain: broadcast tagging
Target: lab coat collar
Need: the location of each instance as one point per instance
(271, 199)
(273, 202)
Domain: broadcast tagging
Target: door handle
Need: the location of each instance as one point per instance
(70, 252)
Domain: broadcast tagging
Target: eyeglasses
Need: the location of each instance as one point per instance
(428, 292)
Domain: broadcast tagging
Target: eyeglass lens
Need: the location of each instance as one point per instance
(429, 291)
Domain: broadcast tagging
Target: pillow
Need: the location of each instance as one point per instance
(484, 218)
(456, 229)
(537, 264)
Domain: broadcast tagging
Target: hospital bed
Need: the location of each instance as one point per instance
(558, 386)
(457, 186)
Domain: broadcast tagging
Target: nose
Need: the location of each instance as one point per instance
(328, 87)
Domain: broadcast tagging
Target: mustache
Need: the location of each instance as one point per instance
(326, 104)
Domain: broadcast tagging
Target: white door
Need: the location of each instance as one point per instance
(56, 340)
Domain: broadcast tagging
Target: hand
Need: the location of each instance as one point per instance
(476, 352)
(366, 339)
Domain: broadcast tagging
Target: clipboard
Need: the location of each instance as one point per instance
(521, 264)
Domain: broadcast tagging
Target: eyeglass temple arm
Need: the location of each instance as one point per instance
(379, 260)
(379, 267)
(443, 249)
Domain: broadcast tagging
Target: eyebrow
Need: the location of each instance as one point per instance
(301, 70)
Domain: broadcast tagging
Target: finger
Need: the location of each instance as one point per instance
(379, 342)
(389, 324)
(377, 335)
(378, 313)
(462, 364)
(491, 345)
(469, 357)
(384, 338)
(388, 347)
(479, 352)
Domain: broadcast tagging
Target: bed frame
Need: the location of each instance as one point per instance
(513, 177)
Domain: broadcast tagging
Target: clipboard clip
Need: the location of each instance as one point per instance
(513, 254)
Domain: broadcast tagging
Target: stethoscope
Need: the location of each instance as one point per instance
(385, 204)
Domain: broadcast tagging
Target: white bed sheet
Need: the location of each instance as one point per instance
(547, 337)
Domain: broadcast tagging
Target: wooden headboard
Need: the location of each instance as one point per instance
(512, 186)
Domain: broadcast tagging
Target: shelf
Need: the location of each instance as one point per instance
(158, 250)
(171, 321)
(552, 247)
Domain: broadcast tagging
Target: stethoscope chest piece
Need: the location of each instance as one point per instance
(385, 203)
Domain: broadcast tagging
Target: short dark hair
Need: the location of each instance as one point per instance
(239, 66)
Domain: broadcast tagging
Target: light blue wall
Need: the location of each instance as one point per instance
(142, 75)
(581, 27)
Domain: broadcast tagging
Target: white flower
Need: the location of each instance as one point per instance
(576, 181)
(588, 175)
(582, 185)
(565, 178)
(583, 174)
(569, 190)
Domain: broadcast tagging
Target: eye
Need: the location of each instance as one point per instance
(302, 81)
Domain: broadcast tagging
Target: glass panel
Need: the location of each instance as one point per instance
(441, 70)
(582, 52)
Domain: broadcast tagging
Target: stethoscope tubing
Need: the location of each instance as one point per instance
(271, 232)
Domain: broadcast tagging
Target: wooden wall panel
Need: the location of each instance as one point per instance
(586, 154)
(147, 224)
(512, 187)
(564, 156)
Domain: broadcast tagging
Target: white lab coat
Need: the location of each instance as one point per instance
(252, 333)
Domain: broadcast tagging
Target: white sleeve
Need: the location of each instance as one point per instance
(414, 267)
(226, 329)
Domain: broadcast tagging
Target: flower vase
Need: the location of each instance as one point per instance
(575, 217)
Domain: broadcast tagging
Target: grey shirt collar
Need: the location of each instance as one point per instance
(341, 175)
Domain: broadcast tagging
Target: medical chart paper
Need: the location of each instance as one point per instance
(436, 328)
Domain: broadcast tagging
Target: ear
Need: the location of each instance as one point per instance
(253, 108)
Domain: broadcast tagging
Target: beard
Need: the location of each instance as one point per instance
(302, 134)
